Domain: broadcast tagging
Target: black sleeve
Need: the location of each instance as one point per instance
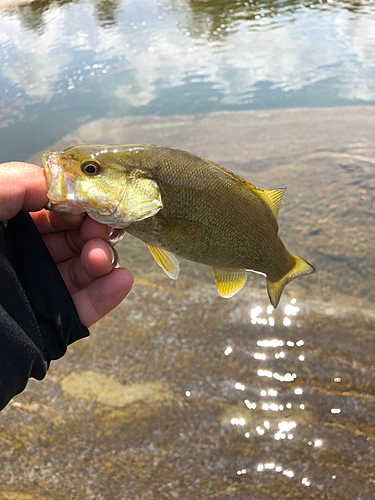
(38, 319)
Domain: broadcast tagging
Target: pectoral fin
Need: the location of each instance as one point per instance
(166, 260)
(185, 230)
(229, 281)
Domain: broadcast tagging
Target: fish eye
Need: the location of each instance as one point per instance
(90, 168)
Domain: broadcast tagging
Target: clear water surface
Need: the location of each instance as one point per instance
(63, 63)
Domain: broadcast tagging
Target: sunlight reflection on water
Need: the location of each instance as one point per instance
(274, 414)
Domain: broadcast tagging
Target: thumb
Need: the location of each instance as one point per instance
(23, 186)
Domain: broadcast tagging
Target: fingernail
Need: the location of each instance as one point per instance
(114, 257)
(115, 235)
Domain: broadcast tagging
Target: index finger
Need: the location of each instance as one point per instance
(23, 186)
(50, 222)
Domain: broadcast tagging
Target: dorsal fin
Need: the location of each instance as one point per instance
(235, 176)
(272, 197)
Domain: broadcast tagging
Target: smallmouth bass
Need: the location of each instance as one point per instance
(179, 204)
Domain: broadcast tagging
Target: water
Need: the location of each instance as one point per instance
(179, 393)
(65, 63)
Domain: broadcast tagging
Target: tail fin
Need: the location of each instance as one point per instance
(301, 268)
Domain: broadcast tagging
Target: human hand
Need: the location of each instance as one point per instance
(78, 244)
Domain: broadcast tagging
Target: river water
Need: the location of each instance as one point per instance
(64, 63)
(179, 393)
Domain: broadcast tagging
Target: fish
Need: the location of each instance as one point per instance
(180, 205)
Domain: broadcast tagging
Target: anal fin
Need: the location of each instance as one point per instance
(229, 281)
(166, 260)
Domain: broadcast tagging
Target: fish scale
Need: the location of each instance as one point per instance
(234, 227)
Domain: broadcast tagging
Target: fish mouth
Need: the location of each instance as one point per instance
(51, 167)
(63, 191)
(60, 186)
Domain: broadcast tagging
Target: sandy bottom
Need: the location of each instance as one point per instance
(181, 394)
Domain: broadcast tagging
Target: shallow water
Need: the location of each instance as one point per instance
(182, 394)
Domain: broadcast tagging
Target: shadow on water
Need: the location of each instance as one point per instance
(32, 17)
(212, 18)
(217, 19)
(31, 14)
